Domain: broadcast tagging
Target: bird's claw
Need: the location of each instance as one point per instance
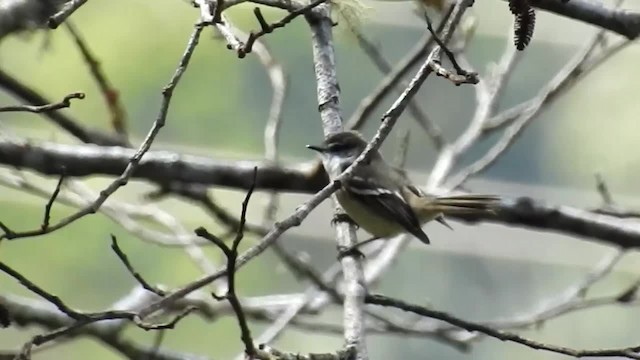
(342, 217)
(344, 251)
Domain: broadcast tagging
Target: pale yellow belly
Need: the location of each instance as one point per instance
(368, 221)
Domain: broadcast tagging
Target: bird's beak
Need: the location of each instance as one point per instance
(319, 149)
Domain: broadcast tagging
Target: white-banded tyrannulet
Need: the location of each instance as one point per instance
(380, 198)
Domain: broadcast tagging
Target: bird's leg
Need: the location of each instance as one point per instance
(354, 250)
(339, 217)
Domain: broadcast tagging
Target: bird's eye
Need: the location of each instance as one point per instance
(337, 147)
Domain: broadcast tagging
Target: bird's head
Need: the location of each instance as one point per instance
(339, 150)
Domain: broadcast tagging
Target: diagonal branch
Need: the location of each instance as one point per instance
(109, 93)
(628, 352)
(67, 9)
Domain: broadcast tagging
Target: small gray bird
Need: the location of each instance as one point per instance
(380, 198)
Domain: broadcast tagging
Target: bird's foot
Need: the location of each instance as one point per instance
(342, 217)
(354, 250)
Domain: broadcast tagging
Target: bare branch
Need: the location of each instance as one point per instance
(623, 22)
(161, 167)
(109, 93)
(521, 211)
(266, 28)
(125, 261)
(66, 11)
(135, 160)
(289, 313)
(551, 92)
(603, 190)
(571, 299)
(270, 353)
(629, 352)
(609, 207)
(28, 313)
(232, 255)
(42, 293)
(278, 229)
(65, 103)
(461, 76)
(572, 69)
(52, 199)
(488, 94)
(393, 77)
(72, 126)
(328, 95)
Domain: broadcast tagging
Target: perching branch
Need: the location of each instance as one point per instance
(67, 9)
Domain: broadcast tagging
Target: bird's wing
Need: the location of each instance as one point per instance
(386, 203)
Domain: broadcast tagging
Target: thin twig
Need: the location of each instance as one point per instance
(269, 28)
(122, 180)
(289, 313)
(546, 97)
(65, 103)
(59, 304)
(629, 352)
(603, 190)
(41, 339)
(572, 69)
(131, 217)
(609, 207)
(393, 78)
(28, 312)
(232, 255)
(271, 353)
(572, 299)
(461, 76)
(125, 261)
(52, 199)
(488, 94)
(109, 93)
(73, 126)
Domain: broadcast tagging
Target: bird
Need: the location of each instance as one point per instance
(380, 198)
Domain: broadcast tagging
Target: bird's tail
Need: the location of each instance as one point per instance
(465, 204)
(458, 205)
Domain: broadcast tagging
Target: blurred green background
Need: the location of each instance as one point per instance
(220, 109)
